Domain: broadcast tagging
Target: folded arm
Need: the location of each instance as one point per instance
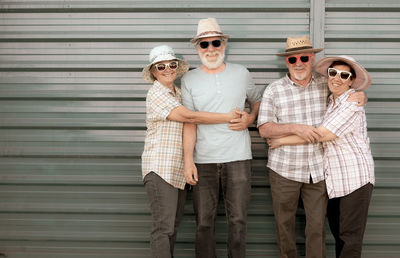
(325, 135)
(308, 133)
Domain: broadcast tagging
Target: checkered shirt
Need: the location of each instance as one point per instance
(163, 152)
(287, 102)
(348, 162)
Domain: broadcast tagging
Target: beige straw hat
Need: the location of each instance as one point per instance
(297, 45)
(363, 78)
(208, 28)
(163, 53)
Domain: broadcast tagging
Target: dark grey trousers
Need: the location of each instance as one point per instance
(166, 205)
(347, 218)
(233, 179)
(285, 197)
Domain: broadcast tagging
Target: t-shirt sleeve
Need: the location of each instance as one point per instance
(187, 98)
(161, 104)
(343, 119)
(253, 93)
(267, 108)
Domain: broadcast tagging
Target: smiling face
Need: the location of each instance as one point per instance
(212, 57)
(337, 85)
(300, 72)
(167, 76)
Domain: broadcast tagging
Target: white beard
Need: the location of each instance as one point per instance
(212, 65)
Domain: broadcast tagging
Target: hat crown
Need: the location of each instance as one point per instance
(208, 25)
(160, 51)
(298, 42)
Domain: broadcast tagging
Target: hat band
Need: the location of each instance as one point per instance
(297, 48)
(209, 32)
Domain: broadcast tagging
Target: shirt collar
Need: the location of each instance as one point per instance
(342, 97)
(166, 89)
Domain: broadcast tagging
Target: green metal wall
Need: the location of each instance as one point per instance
(72, 115)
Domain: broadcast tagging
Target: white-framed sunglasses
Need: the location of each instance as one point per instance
(162, 66)
(344, 75)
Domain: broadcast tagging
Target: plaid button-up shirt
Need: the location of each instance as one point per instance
(348, 162)
(286, 102)
(163, 152)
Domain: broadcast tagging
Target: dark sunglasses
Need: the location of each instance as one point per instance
(172, 65)
(344, 75)
(293, 59)
(205, 44)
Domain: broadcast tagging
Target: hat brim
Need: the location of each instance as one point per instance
(197, 38)
(183, 67)
(363, 78)
(307, 50)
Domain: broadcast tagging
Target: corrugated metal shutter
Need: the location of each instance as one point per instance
(72, 115)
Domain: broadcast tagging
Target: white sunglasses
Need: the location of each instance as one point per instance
(344, 75)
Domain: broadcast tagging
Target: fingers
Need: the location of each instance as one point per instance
(191, 175)
(190, 180)
(239, 112)
(237, 127)
(195, 176)
(236, 120)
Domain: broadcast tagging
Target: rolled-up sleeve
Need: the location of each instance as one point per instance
(161, 104)
(267, 108)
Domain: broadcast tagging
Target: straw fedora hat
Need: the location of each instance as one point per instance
(363, 78)
(297, 45)
(208, 28)
(163, 53)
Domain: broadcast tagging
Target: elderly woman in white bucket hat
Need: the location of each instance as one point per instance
(348, 162)
(162, 158)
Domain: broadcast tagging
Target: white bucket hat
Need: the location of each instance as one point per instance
(163, 53)
(363, 78)
(208, 28)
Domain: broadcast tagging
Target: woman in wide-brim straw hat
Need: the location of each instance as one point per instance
(162, 158)
(348, 162)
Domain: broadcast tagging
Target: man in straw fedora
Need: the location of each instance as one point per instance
(218, 157)
(295, 105)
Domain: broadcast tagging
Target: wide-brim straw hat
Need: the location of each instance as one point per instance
(297, 45)
(163, 53)
(208, 28)
(363, 78)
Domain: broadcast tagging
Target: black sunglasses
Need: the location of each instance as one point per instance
(293, 59)
(205, 44)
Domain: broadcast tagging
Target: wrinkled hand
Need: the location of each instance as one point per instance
(234, 114)
(273, 143)
(358, 97)
(308, 133)
(190, 172)
(240, 123)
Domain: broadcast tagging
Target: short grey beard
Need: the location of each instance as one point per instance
(212, 65)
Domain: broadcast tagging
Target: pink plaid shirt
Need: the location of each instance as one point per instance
(163, 153)
(348, 163)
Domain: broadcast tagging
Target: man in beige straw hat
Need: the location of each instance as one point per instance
(218, 157)
(295, 105)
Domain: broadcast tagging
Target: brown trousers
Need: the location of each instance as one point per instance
(285, 197)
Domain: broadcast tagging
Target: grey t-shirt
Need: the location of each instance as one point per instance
(220, 93)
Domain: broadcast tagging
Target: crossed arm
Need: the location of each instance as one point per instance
(323, 135)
